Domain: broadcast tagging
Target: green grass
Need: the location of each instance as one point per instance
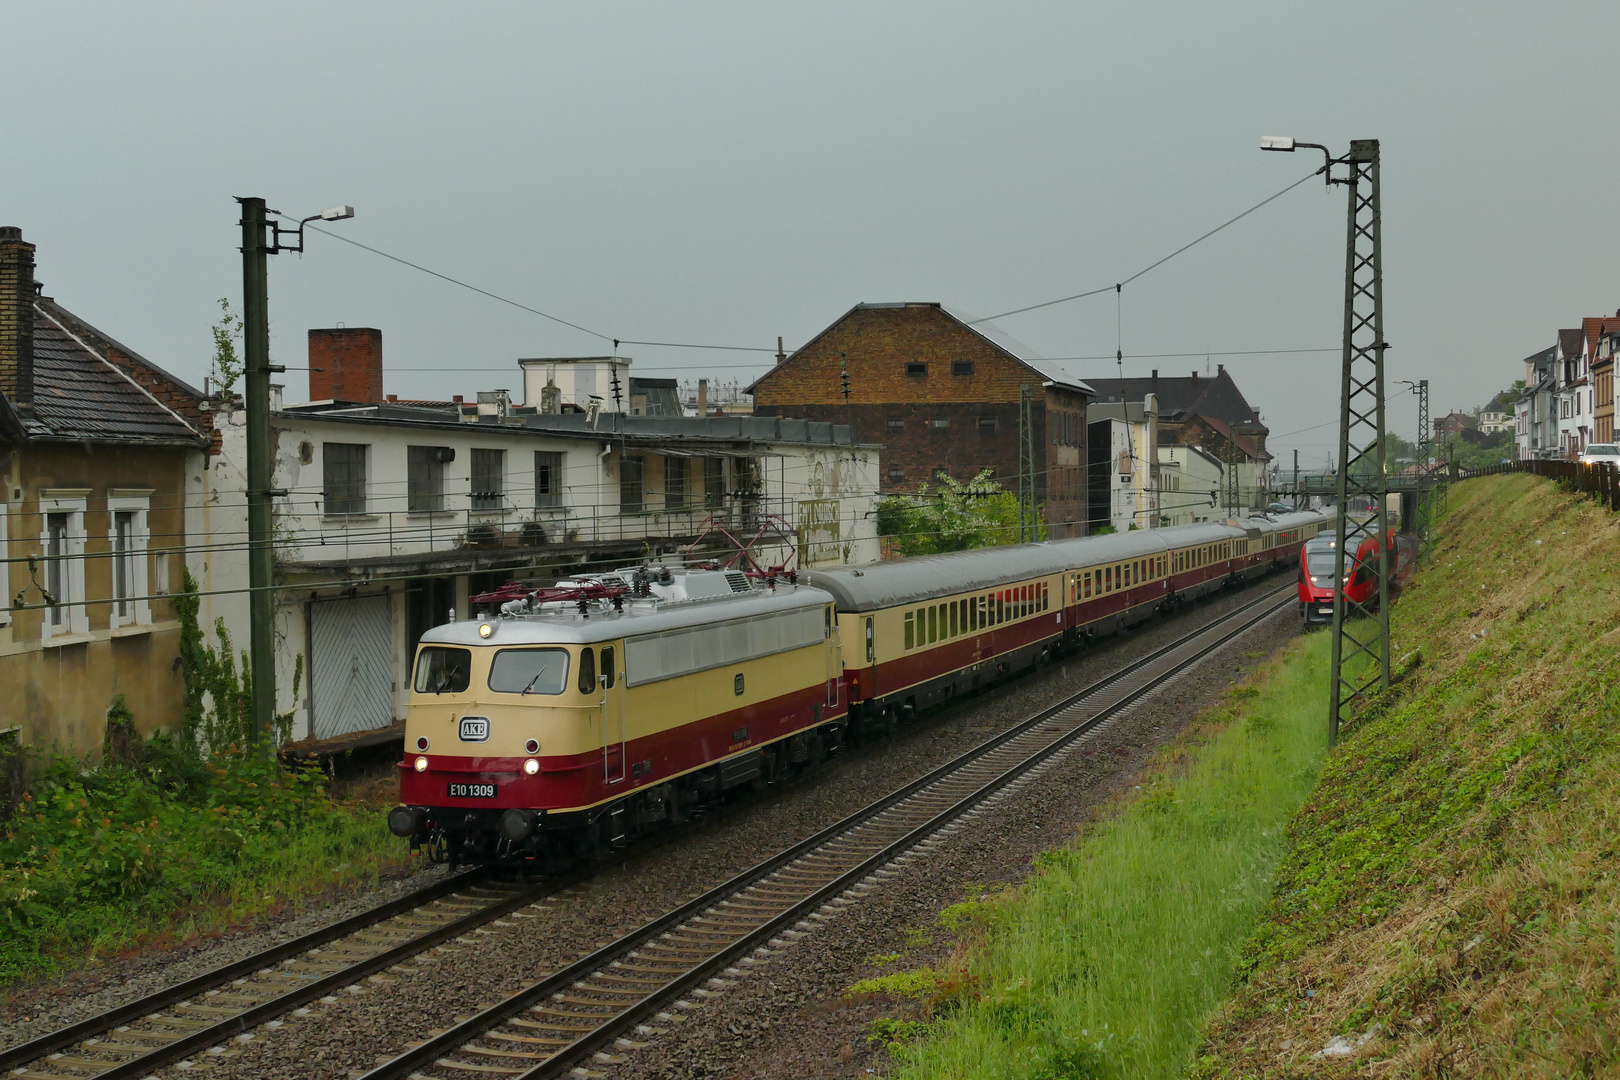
(154, 852)
(1109, 958)
(1451, 891)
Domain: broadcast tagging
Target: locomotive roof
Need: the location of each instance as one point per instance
(904, 581)
(571, 628)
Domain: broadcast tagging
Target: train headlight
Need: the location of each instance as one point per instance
(485, 629)
(421, 764)
(531, 766)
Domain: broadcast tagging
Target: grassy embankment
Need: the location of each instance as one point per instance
(169, 846)
(1449, 898)
(1445, 901)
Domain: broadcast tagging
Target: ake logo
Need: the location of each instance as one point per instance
(474, 729)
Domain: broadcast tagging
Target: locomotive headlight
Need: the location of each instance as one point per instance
(421, 764)
(485, 629)
(531, 766)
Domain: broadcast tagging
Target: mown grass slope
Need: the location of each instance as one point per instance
(1448, 904)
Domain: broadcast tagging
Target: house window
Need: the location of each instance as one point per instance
(674, 483)
(343, 478)
(548, 478)
(714, 484)
(127, 540)
(424, 478)
(488, 479)
(896, 474)
(987, 425)
(939, 423)
(631, 496)
(62, 539)
(961, 367)
(916, 371)
(896, 424)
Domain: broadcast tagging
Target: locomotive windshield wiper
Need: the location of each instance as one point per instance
(534, 680)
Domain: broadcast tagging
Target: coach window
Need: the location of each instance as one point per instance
(911, 633)
(1001, 607)
(1087, 584)
(933, 625)
(587, 671)
(952, 606)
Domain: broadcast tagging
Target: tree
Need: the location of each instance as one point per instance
(953, 517)
(227, 366)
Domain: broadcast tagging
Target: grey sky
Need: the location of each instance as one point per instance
(729, 173)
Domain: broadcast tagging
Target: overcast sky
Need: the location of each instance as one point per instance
(726, 174)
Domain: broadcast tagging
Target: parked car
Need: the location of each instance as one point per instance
(1601, 454)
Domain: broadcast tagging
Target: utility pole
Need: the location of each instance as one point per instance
(256, 370)
(1362, 468)
(1028, 527)
(1296, 479)
(261, 238)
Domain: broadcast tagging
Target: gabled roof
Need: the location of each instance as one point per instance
(1593, 328)
(1182, 397)
(1224, 429)
(81, 395)
(1569, 342)
(1050, 373)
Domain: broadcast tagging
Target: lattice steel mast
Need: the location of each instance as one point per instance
(1360, 635)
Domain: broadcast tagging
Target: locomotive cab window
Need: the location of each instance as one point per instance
(587, 671)
(441, 670)
(607, 666)
(529, 671)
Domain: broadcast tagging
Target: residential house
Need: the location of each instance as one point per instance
(103, 451)
(1571, 394)
(941, 393)
(1593, 330)
(396, 513)
(1535, 412)
(1602, 367)
(1122, 465)
(1210, 413)
(1497, 415)
(1191, 482)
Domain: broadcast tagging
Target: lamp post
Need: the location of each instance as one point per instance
(261, 238)
(1362, 471)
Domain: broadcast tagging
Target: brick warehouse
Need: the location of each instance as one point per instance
(939, 394)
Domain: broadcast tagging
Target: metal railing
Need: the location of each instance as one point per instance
(1601, 479)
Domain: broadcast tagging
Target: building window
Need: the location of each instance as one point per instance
(63, 539)
(127, 541)
(987, 425)
(961, 367)
(896, 474)
(548, 479)
(896, 424)
(674, 483)
(424, 478)
(714, 483)
(916, 370)
(488, 479)
(939, 423)
(631, 495)
(343, 477)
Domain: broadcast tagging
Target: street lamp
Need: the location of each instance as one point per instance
(257, 220)
(1361, 412)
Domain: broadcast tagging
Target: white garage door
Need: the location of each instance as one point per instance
(351, 665)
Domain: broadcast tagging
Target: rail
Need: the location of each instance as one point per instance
(133, 1040)
(551, 1025)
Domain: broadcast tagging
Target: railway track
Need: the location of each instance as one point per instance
(133, 1040)
(657, 976)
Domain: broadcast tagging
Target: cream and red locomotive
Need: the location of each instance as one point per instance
(571, 719)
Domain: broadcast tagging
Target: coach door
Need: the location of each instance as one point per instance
(612, 716)
(835, 663)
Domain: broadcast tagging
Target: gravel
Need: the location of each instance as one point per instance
(791, 1018)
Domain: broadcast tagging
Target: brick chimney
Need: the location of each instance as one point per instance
(17, 290)
(345, 364)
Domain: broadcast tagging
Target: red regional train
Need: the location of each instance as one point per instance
(568, 720)
(1316, 573)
